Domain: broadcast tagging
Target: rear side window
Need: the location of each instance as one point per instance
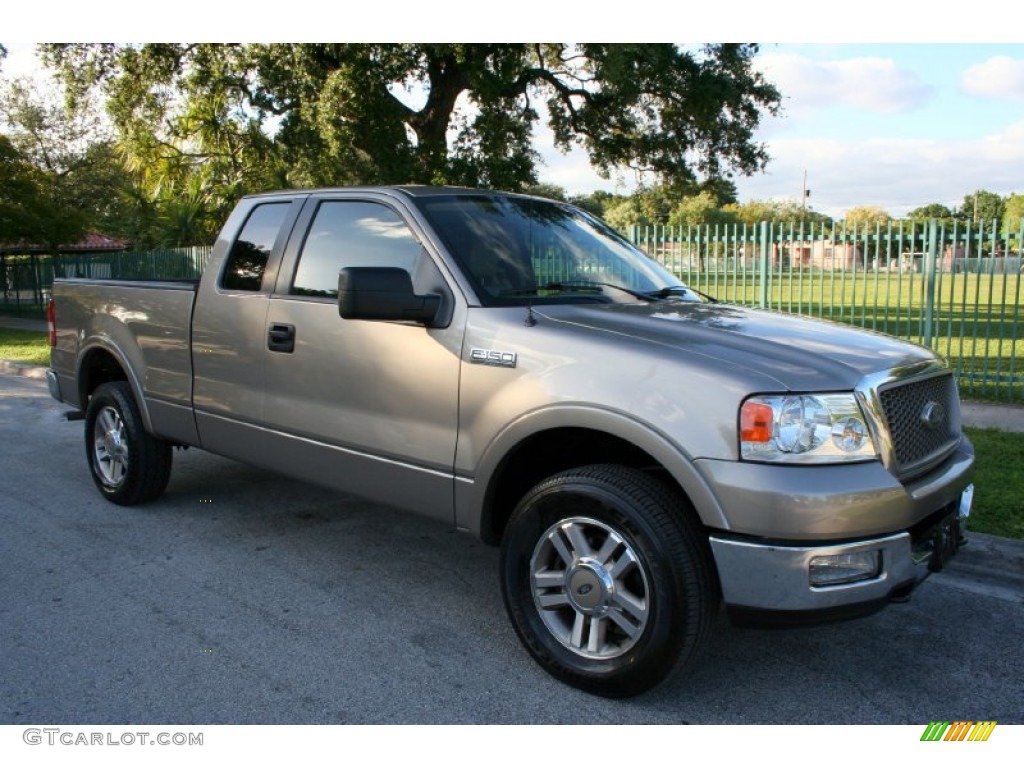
(352, 233)
(247, 260)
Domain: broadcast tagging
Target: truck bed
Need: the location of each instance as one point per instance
(144, 324)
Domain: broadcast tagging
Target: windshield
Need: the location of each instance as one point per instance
(521, 250)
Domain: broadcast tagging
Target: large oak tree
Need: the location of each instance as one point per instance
(256, 115)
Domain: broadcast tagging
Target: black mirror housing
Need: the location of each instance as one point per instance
(383, 293)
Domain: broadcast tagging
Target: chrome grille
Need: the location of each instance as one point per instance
(923, 416)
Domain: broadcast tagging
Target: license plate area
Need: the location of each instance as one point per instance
(938, 539)
(945, 542)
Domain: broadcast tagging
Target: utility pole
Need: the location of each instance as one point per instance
(803, 197)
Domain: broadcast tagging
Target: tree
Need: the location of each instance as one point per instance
(77, 176)
(776, 211)
(931, 211)
(723, 190)
(596, 202)
(550, 191)
(295, 115)
(982, 207)
(699, 210)
(20, 217)
(866, 217)
(1013, 214)
(627, 213)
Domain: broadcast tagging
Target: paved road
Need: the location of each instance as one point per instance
(240, 597)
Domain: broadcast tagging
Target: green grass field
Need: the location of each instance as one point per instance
(998, 483)
(24, 346)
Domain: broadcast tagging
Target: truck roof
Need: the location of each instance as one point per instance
(412, 190)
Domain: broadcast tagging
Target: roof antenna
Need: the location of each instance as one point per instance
(530, 319)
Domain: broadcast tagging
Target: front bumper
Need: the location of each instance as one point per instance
(769, 583)
(829, 502)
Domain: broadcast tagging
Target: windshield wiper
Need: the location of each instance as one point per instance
(580, 285)
(679, 290)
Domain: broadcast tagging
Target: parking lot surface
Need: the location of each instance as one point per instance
(243, 597)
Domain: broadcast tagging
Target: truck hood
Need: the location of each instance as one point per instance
(799, 353)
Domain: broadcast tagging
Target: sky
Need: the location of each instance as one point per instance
(896, 124)
(891, 125)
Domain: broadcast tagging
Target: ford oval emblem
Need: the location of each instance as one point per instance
(933, 415)
(584, 590)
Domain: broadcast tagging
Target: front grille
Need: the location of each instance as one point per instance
(923, 416)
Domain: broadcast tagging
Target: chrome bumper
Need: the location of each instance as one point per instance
(776, 578)
(53, 384)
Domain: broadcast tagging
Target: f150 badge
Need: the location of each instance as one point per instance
(493, 357)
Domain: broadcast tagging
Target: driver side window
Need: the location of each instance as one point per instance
(352, 233)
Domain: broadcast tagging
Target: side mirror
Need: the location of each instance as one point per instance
(383, 293)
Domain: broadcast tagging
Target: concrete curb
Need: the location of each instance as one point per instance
(12, 368)
(989, 565)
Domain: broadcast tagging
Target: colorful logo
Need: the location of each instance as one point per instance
(961, 730)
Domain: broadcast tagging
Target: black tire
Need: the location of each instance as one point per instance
(607, 577)
(128, 465)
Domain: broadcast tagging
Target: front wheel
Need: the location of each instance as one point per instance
(128, 465)
(607, 578)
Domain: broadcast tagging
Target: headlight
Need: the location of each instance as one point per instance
(805, 429)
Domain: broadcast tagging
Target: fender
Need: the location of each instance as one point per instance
(106, 344)
(471, 492)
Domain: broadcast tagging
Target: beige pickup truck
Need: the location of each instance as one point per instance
(513, 367)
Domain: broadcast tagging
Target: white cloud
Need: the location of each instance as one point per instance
(895, 174)
(872, 83)
(1000, 77)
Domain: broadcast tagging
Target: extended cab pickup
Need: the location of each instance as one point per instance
(515, 368)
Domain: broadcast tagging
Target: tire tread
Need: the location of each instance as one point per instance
(678, 533)
(150, 458)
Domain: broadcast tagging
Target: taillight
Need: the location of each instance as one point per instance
(51, 323)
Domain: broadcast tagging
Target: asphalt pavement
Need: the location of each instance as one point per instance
(243, 597)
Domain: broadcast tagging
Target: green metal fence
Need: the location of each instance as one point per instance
(953, 287)
(28, 279)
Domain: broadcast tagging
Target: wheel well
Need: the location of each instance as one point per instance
(98, 367)
(546, 453)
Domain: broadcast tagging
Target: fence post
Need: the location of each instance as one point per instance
(930, 282)
(765, 271)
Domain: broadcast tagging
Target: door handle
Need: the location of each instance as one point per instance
(281, 337)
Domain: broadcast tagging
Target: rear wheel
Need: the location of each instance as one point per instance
(128, 465)
(607, 579)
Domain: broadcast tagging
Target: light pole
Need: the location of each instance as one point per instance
(803, 198)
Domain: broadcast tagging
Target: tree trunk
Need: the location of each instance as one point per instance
(447, 79)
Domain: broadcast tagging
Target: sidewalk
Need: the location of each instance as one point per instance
(1008, 418)
(22, 323)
